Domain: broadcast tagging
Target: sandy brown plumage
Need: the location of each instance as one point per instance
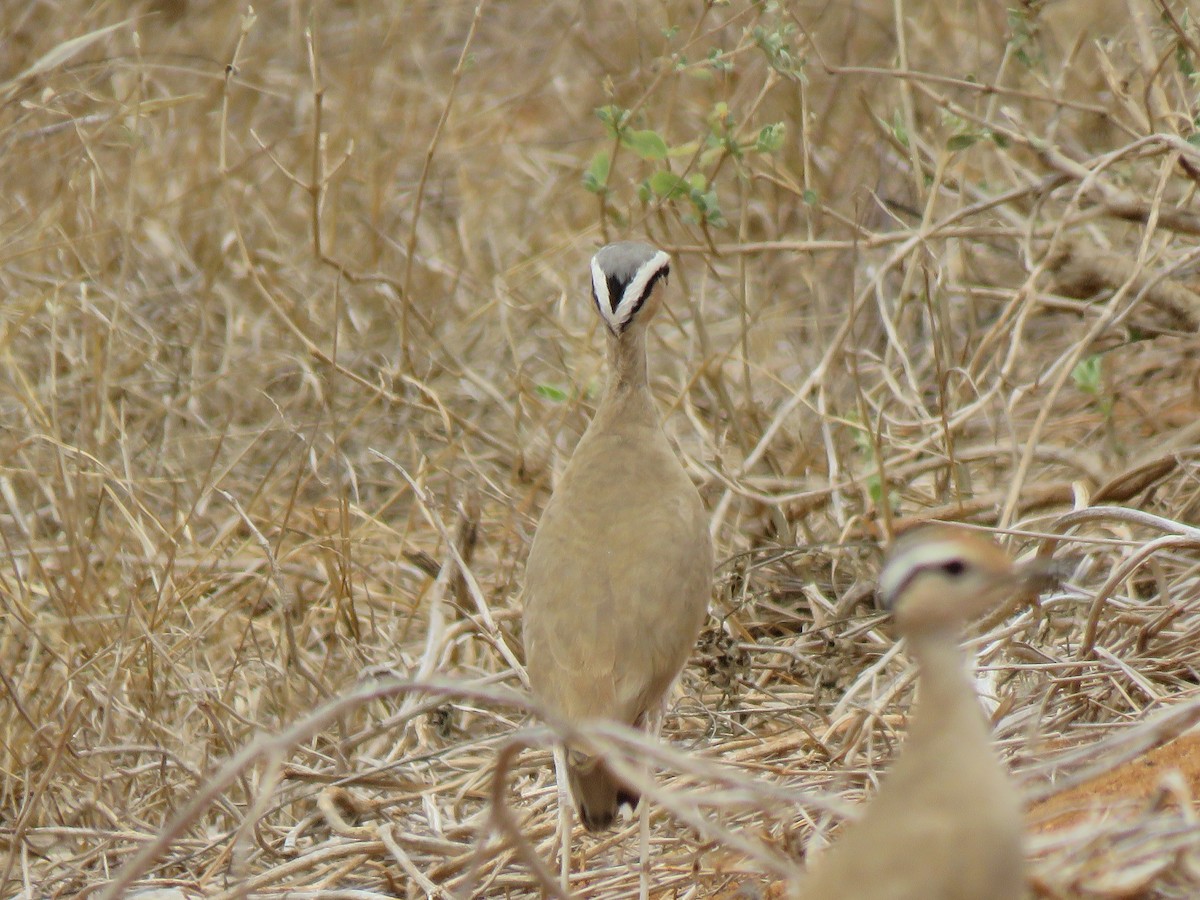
(618, 579)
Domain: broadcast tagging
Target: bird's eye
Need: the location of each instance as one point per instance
(954, 567)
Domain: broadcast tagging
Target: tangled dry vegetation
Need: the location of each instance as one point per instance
(295, 338)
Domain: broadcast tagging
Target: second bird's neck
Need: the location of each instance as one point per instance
(947, 703)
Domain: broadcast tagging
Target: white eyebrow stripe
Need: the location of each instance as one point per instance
(900, 568)
(600, 294)
(633, 291)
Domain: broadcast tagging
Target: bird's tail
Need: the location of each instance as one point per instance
(598, 794)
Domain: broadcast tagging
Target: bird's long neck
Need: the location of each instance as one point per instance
(947, 704)
(627, 398)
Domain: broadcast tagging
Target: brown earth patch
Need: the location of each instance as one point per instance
(1137, 779)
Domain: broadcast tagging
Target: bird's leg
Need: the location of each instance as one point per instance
(644, 849)
(654, 719)
(564, 818)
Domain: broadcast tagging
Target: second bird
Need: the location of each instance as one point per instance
(618, 579)
(946, 823)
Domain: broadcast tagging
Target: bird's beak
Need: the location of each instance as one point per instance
(1040, 573)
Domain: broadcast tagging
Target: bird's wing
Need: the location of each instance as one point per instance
(613, 605)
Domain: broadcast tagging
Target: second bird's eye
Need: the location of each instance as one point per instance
(954, 567)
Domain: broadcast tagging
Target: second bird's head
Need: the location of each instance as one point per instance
(628, 278)
(938, 577)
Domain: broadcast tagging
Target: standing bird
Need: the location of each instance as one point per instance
(618, 579)
(946, 823)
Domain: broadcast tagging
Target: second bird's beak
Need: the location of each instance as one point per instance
(1040, 573)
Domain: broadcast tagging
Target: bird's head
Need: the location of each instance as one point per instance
(627, 282)
(939, 577)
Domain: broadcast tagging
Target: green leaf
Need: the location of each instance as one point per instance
(875, 489)
(613, 118)
(776, 45)
(1024, 39)
(717, 60)
(1087, 375)
(647, 144)
(685, 149)
(709, 208)
(549, 392)
(1186, 68)
(709, 156)
(595, 179)
(961, 141)
(1194, 138)
(770, 137)
(862, 439)
(668, 185)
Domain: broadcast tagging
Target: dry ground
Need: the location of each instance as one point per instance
(295, 338)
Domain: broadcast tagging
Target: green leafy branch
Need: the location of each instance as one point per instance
(695, 189)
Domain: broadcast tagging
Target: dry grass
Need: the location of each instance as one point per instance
(295, 337)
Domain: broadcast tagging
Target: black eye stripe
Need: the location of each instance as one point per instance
(641, 301)
(616, 289)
